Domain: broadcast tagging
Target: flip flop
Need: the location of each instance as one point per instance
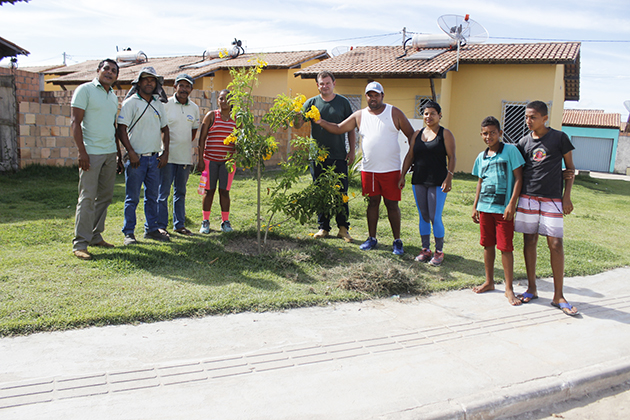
(184, 231)
(566, 308)
(528, 296)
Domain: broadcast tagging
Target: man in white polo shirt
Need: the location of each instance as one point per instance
(183, 122)
(93, 118)
(143, 130)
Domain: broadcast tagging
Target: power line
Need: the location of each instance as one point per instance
(560, 40)
(332, 40)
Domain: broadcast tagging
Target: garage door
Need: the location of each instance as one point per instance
(592, 153)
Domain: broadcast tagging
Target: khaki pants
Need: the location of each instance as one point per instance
(96, 190)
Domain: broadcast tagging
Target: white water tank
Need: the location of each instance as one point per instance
(212, 53)
(433, 41)
(130, 56)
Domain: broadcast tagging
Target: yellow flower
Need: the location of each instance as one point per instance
(337, 187)
(230, 139)
(260, 64)
(345, 198)
(298, 103)
(354, 195)
(223, 53)
(313, 113)
(267, 156)
(290, 123)
(321, 158)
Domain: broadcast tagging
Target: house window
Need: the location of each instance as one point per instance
(355, 101)
(420, 103)
(513, 121)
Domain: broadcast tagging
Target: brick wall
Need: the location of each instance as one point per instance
(26, 84)
(46, 136)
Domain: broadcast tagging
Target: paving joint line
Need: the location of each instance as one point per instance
(43, 390)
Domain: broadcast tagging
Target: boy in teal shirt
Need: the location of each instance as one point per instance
(500, 172)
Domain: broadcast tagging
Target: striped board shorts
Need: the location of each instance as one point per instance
(539, 215)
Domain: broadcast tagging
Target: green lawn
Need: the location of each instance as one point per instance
(44, 287)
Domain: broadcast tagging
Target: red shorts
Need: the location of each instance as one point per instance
(384, 184)
(496, 231)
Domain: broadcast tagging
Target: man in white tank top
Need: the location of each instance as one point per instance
(378, 125)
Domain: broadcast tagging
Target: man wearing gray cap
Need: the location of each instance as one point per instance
(183, 122)
(143, 130)
(379, 124)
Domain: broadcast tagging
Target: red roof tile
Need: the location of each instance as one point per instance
(41, 69)
(391, 62)
(387, 62)
(170, 67)
(590, 118)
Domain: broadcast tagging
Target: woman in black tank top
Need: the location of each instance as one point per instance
(432, 154)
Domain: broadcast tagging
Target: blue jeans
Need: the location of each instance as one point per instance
(146, 173)
(176, 174)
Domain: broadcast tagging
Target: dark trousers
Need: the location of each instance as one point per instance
(341, 167)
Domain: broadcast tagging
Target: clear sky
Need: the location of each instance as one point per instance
(90, 29)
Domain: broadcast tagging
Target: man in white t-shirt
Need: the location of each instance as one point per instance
(379, 124)
(183, 122)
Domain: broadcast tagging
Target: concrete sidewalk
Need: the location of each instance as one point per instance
(454, 355)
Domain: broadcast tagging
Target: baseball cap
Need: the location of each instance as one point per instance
(374, 86)
(184, 76)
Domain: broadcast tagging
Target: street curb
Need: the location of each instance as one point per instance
(523, 397)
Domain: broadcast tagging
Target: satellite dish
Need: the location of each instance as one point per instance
(627, 105)
(339, 50)
(463, 30)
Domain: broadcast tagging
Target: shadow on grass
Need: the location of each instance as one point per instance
(45, 192)
(211, 260)
(446, 276)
